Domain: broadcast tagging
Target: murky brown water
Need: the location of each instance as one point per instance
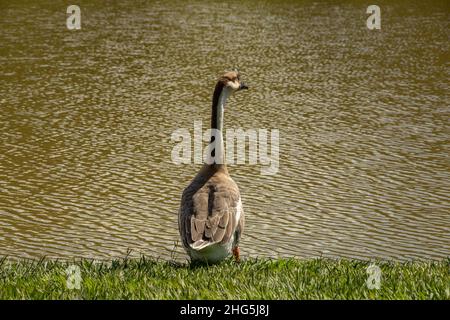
(86, 119)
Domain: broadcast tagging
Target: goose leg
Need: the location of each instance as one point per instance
(236, 254)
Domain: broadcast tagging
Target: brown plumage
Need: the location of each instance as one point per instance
(211, 218)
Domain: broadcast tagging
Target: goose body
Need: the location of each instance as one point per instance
(211, 217)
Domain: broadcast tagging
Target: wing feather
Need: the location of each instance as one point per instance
(208, 211)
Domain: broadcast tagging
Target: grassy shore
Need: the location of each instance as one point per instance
(251, 279)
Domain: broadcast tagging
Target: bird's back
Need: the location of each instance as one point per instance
(211, 216)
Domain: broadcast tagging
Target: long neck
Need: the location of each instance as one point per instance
(220, 97)
(221, 94)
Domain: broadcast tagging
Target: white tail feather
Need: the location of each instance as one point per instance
(201, 244)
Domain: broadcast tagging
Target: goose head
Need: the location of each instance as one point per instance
(232, 80)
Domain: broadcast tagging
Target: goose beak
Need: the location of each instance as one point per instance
(243, 86)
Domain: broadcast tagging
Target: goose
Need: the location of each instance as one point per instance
(211, 217)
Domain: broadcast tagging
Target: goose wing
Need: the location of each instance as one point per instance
(210, 213)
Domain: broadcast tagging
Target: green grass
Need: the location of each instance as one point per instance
(251, 279)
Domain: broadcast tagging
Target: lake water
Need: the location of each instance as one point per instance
(363, 115)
